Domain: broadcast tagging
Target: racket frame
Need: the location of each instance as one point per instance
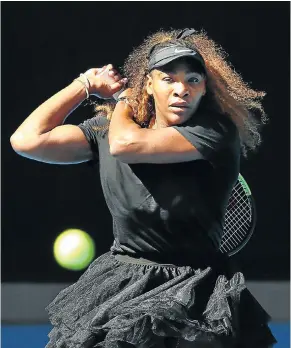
(248, 192)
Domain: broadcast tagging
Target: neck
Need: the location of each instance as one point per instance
(156, 123)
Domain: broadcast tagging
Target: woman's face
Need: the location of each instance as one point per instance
(177, 90)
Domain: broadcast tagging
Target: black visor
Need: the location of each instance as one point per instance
(167, 54)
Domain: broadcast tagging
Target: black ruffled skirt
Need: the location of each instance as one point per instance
(125, 302)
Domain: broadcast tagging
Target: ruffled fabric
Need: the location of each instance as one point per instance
(118, 304)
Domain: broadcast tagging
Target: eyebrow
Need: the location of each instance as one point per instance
(175, 72)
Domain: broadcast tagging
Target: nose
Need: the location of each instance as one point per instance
(181, 90)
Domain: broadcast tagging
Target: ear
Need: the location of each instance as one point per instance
(205, 88)
(149, 85)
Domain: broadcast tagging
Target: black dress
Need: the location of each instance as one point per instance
(163, 283)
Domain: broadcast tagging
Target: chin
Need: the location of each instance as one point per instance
(178, 117)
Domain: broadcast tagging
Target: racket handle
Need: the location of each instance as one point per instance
(117, 94)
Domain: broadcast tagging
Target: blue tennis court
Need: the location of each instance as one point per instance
(35, 336)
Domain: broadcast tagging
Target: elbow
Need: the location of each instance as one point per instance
(16, 142)
(124, 151)
(113, 150)
(20, 145)
(120, 146)
(116, 149)
(120, 153)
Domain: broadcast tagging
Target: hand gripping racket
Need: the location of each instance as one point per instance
(240, 219)
(109, 80)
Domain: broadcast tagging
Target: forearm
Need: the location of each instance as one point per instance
(52, 112)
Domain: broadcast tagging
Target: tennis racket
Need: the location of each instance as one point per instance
(239, 220)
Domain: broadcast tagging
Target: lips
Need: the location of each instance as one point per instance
(179, 109)
(180, 105)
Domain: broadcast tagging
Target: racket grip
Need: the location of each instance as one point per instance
(117, 94)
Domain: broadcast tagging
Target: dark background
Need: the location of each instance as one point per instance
(45, 45)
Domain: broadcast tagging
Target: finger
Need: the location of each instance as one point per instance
(116, 77)
(112, 72)
(93, 71)
(100, 70)
(115, 87)
(109, 67)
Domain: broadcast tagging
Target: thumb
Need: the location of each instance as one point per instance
(100, 70)
(97, 71)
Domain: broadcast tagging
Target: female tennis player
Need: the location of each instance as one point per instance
(168, 153)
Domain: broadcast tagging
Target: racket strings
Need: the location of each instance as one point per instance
(239, 196)
(238, 219)
(239, 216)
(237, 227)
(234, 238)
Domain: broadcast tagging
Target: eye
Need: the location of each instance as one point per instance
(167, 79)
(194, 80)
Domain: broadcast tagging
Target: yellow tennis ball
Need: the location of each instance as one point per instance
(74, 249)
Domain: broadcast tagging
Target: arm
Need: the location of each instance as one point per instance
(132, 144)
(42, 136)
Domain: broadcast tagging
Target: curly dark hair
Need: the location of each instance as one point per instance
(227, 93)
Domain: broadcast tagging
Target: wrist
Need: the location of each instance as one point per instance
(79, 89)
(83, 79)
